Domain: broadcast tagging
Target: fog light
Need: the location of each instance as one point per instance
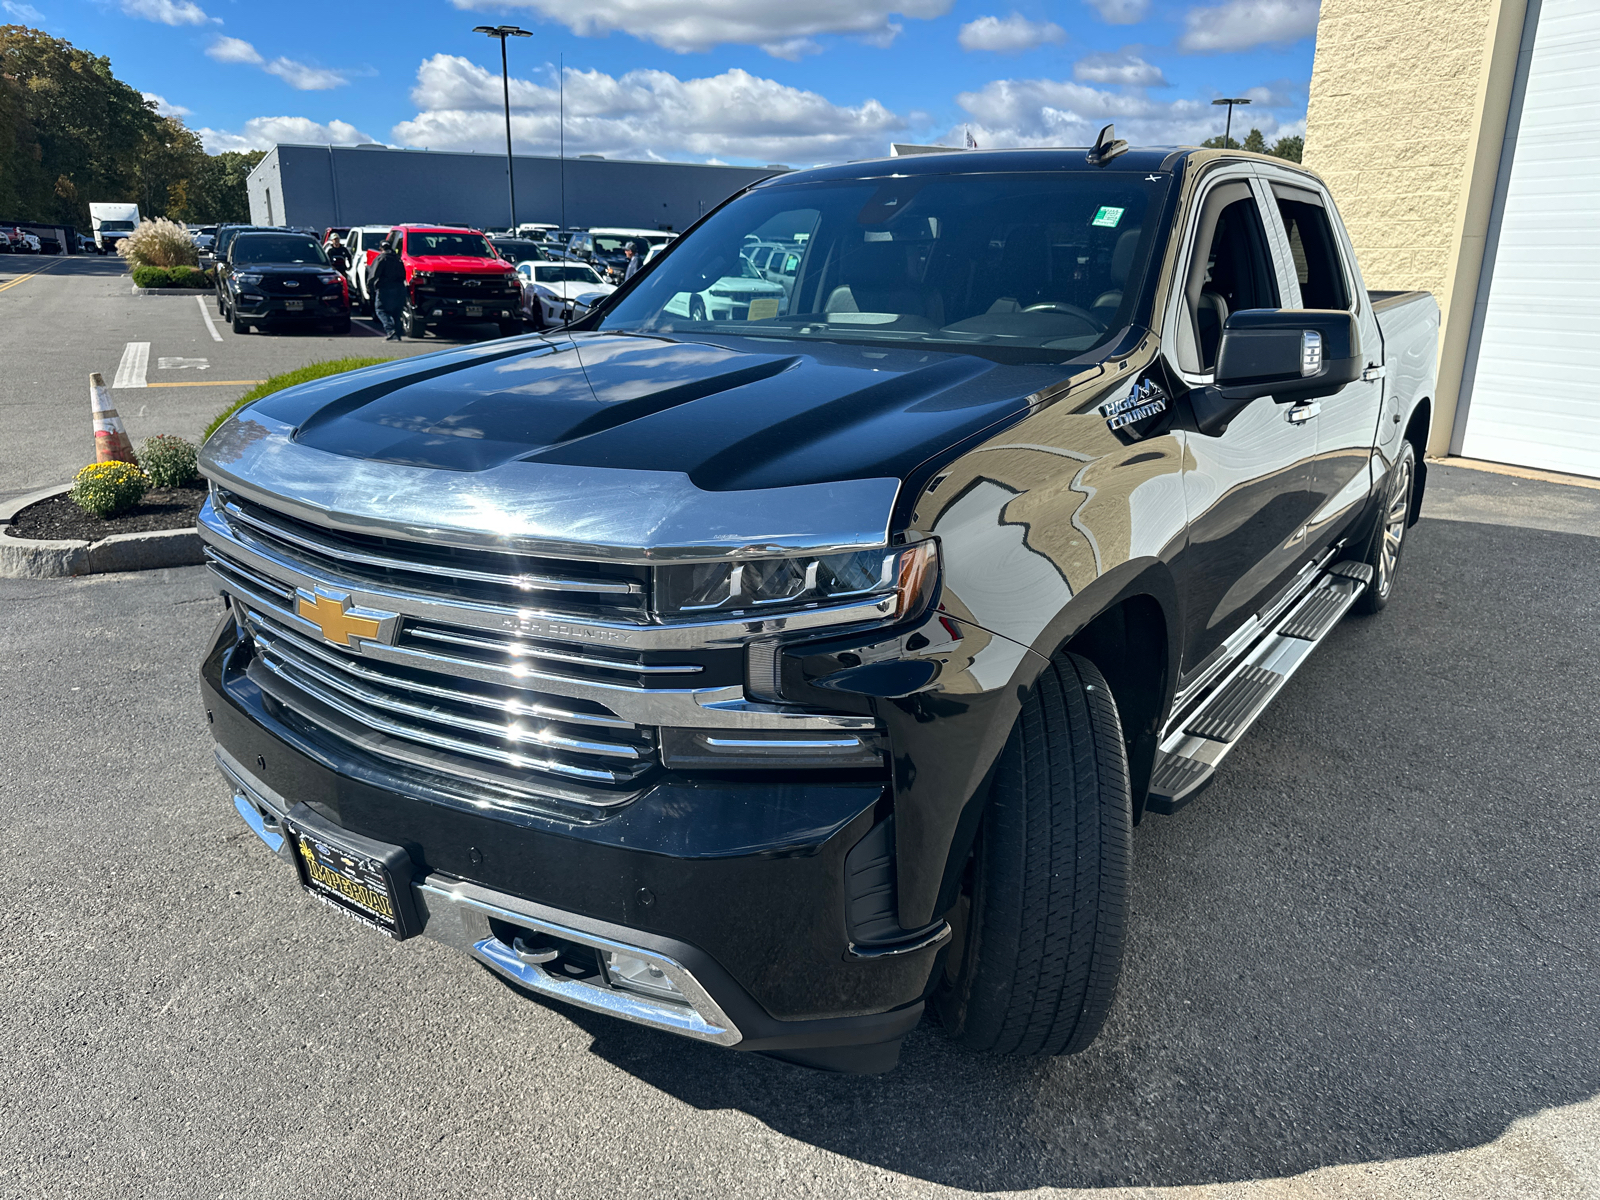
(634, 974)
(438, 312)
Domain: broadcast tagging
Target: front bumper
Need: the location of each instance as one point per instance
(494, 305)
(737, 891)
(259, 307)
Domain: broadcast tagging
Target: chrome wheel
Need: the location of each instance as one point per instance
(1394, 526)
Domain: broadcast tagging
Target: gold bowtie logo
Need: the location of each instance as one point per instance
(339, 622)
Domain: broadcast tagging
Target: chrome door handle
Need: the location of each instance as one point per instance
(1373, 373)
(1301, 413)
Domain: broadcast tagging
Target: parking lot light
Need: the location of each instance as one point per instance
(503, 32)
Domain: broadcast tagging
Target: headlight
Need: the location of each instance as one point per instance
(545, 292)
(422, 277)
(249, 279)
(786, 584)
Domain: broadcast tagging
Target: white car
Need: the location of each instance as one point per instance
(743, 297)
(555, 293)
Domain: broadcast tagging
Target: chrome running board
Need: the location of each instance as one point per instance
(1200, 735)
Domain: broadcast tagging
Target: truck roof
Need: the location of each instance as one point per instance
(1029, 159)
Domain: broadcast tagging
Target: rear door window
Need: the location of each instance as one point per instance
(1317, 264)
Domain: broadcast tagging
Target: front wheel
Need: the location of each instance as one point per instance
(411, 324)
(697, 309)
(240, 325)
(1040, 925)
(1389, 534)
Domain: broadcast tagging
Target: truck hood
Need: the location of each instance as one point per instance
(730, 413)
(621, 446)
(458, 264)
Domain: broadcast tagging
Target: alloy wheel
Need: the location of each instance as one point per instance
(1394, 526)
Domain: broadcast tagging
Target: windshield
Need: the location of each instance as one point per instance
(565, 274)
(611, 245)
(456, 245)
(1045, 265)
(116, 226)
(272, 248)
(516, 251)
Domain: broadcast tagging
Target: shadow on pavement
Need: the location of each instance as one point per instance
(1375, 937)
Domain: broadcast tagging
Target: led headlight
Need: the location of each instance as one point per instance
(247, 279)
(777, 585)
(422, 277)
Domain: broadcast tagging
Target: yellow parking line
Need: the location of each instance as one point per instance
(5, 287)
(209, 383)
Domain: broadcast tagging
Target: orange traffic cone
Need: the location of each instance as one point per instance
(110, 439)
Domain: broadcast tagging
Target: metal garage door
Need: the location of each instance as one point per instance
(1535, 396)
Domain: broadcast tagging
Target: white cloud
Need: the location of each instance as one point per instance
(643, 114)
(234, 50)
(1122, 68)
(262, 133)
(781, 29)
(167, 12)
(1241, 24)
(1121, 12)
(1010, 34)
(298, 75)
(23, 12)
(303, 78)
(1050, 112)
(163, 108)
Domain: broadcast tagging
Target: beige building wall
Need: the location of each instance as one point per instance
(1406, 119)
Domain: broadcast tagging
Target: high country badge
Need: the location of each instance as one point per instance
(1145, 400)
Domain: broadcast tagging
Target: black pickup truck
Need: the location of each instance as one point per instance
(772, 674)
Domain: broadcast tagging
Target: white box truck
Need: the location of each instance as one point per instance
(112, 223)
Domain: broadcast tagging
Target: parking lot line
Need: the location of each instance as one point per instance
(209, 383)
(135, 362)
(206, 313)
(6, 287)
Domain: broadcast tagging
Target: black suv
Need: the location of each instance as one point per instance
(281, 278)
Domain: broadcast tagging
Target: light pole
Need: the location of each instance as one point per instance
(1227, 134)
(503, 32)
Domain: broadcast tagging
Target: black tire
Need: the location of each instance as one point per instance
(1040, 928)
(222, 306)
(240, 325)
(339, 327)
(697, 309)
(411, 325)
(510, 328)
(1388, 541)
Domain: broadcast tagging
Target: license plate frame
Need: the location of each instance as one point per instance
(366, 880)
(294, 305)
(474, 310)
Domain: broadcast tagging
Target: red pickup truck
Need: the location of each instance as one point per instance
(454, 276)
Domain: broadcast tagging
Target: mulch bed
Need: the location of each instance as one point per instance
(59, 519)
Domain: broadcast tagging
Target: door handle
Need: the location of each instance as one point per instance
(1373, 373)
(1301, 413)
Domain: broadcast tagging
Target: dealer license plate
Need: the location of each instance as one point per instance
(293, 305)
(346, 879)
(474, 310)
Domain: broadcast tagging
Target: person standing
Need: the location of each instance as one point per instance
(338, 255)
(635, 255)
(389, 290)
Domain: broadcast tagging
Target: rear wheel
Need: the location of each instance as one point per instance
(1039, 930)
(1388, 535)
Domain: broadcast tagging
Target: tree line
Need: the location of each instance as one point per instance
(71, 132)
(1285, 147)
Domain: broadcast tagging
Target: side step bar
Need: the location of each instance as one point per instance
(1195, 744)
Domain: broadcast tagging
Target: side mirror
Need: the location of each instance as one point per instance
(1292, 355)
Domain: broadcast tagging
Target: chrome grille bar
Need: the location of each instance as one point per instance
(523, 650)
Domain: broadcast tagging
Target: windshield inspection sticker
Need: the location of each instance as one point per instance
(1108, 217)
(763, 309)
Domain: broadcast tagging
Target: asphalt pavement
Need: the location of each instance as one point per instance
(1363, 964)
(66, 317)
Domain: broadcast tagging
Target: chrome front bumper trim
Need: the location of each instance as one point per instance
(457, 913)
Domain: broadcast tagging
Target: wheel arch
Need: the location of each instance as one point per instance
(1417, 428)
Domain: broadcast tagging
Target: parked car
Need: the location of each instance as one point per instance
(363, 242)
(204, 238)
(20, 241)
(282, 278)
(733, 297)
(219, 255)
(517, 249)
(342, 230)
(769, 688)
(556, 293)
(454, 277)
(605, 252)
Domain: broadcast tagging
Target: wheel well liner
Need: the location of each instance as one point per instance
(1417, 434)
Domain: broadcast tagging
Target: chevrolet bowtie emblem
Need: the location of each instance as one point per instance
(331, 613)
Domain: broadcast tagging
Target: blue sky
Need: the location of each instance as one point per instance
(740, 81)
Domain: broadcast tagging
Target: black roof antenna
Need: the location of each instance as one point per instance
(1106, 147)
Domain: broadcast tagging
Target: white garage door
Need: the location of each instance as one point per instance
(1535, 398)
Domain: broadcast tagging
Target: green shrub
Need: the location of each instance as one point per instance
(105, 489)
(152, 277)
(169, 461)
(159, 243)
(305, 374)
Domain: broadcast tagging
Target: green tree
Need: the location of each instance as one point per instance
(217, 190)
(1220, 143)
(1254, 142)
(1288, 147)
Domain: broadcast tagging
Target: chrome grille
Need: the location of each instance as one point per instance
(605, 591)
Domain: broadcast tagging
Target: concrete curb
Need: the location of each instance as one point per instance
(139, 291)
(27, 558)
